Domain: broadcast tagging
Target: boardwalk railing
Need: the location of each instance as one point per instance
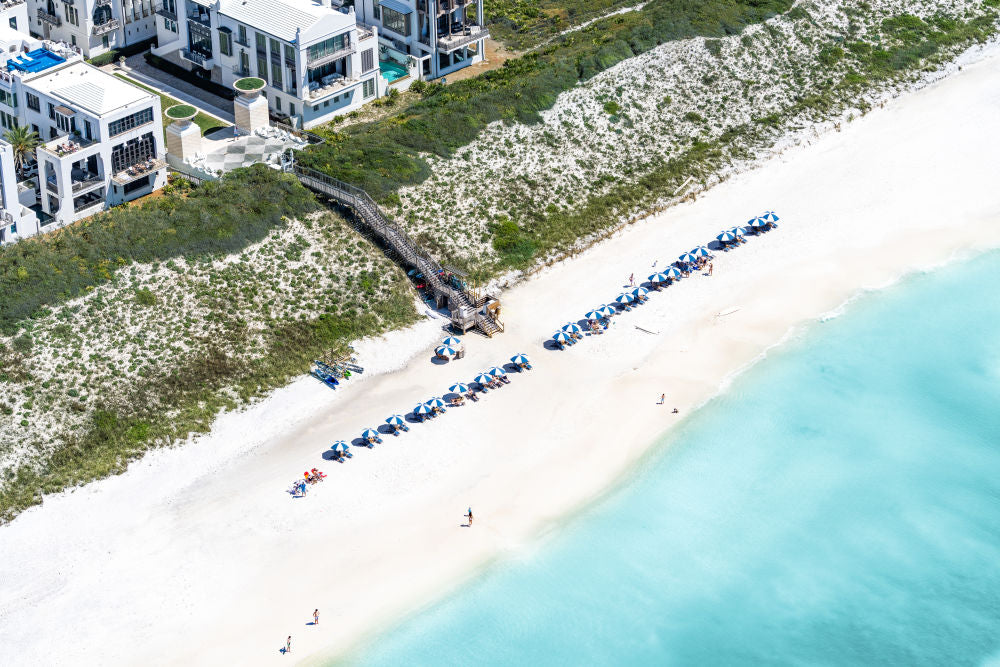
(394, 237)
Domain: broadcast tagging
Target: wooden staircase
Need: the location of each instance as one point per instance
(402, 246)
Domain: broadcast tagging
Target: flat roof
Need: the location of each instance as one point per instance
(88, 88)
(281, 18)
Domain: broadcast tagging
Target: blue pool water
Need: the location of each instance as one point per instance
(391, 70)
(35, 61)
(839, 505)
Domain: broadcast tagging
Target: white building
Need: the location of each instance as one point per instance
(430, 38)
(94, 26)
(317, 61)
(103, 139)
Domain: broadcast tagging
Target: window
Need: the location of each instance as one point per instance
(63, 123)
(87, 130)
(326, 104)
(328, 47)
(132, 152)
(289, 55)
(73, 39)
(137, 184)
(8, 121)
(377, 10)
(291, 109)
(241, 35)
(369, 88)
(72, 15)
(13, 22)
(393, 20)
(367, 60)
(262, 67)
(10, 99)
(52, 111)
(225, 42)
(33, 102)
(277, 103)
(106, 41)
(261, 42)
(169, 25)
(275, 48)
(276, 75)
(130, 122)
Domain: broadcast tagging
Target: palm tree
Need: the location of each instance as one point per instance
(24, 141)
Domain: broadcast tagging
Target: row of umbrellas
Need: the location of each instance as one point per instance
(760, 221)
(448, 347)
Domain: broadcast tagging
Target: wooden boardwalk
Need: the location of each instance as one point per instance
(404, 248)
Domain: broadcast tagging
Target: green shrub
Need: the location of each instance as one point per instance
(611, 107)
(114, 54)
(418, 86)
(145, 297)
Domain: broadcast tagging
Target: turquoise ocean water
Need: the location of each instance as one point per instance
(840, 504)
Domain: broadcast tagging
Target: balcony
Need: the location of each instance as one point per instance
(160, 10)
(137, 171)
(52, 186)
(455, 41)
(330, 87)
(103, 3)
(108, 26)
(197, 58)
(330, 57)
(364, 33)
(51, 19)
(86, 181)
(64, 146)
(7, 4)
(91, 200)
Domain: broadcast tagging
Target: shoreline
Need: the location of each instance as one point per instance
(353, 542)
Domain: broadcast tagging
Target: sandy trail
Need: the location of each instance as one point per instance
(197, 556)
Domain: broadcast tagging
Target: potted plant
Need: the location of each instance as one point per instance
(181, 114)
(249, 86)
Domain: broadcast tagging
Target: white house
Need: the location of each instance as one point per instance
(317, 61)
(103, 139)
(93, 26)
(429, 38)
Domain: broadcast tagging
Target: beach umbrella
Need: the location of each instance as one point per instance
(639, 292)
(726, 237)
(483, 378)
(607, 311)
(445, 351)
(369, 433)
(340, 446)
(570, 327)
(435, 403)
(738, 231)
(451, 341)
(594, 315)
(701, 251)
(458, 388)
(687, 258)
(559, 337)
(673, 272)
(659, 277)
(421, 410)
(519, 359)
(624, 298)
(496, 371)
(769, 217)
(757, 223)
(395, 420)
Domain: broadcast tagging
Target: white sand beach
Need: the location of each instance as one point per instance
(197, 555)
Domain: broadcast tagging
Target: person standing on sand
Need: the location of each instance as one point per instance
(316, 617)
(288, 644)
(710, 268)
(631, 280)
(469, 515)
(663, 397)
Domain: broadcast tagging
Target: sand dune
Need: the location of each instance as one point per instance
(198, 556)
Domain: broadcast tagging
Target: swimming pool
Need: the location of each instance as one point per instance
(35, 61)
(391, 70)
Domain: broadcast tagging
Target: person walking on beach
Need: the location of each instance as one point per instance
(631, 280)
(710, 268)
(315, 616)
(469, 515)
(663, 397)
(288, 644)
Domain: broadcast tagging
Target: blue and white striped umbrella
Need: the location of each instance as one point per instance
(594, 315)
(659, 277)
(571, 327)
(640, 292)
(673, 272)
(624, 298)
(757, 223)
(436, 403)
(483, 378)
(519, 359)
(738, 231)
(395, 420)
(445, 351)
(451, 341)
(421, 410)
(559, 337)
(701, 251)
(608, 311)
(688, 258)
(340, 446)
(458, 388)
(496, 371)
(369, 433)
(726, 237)
(770, 217)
